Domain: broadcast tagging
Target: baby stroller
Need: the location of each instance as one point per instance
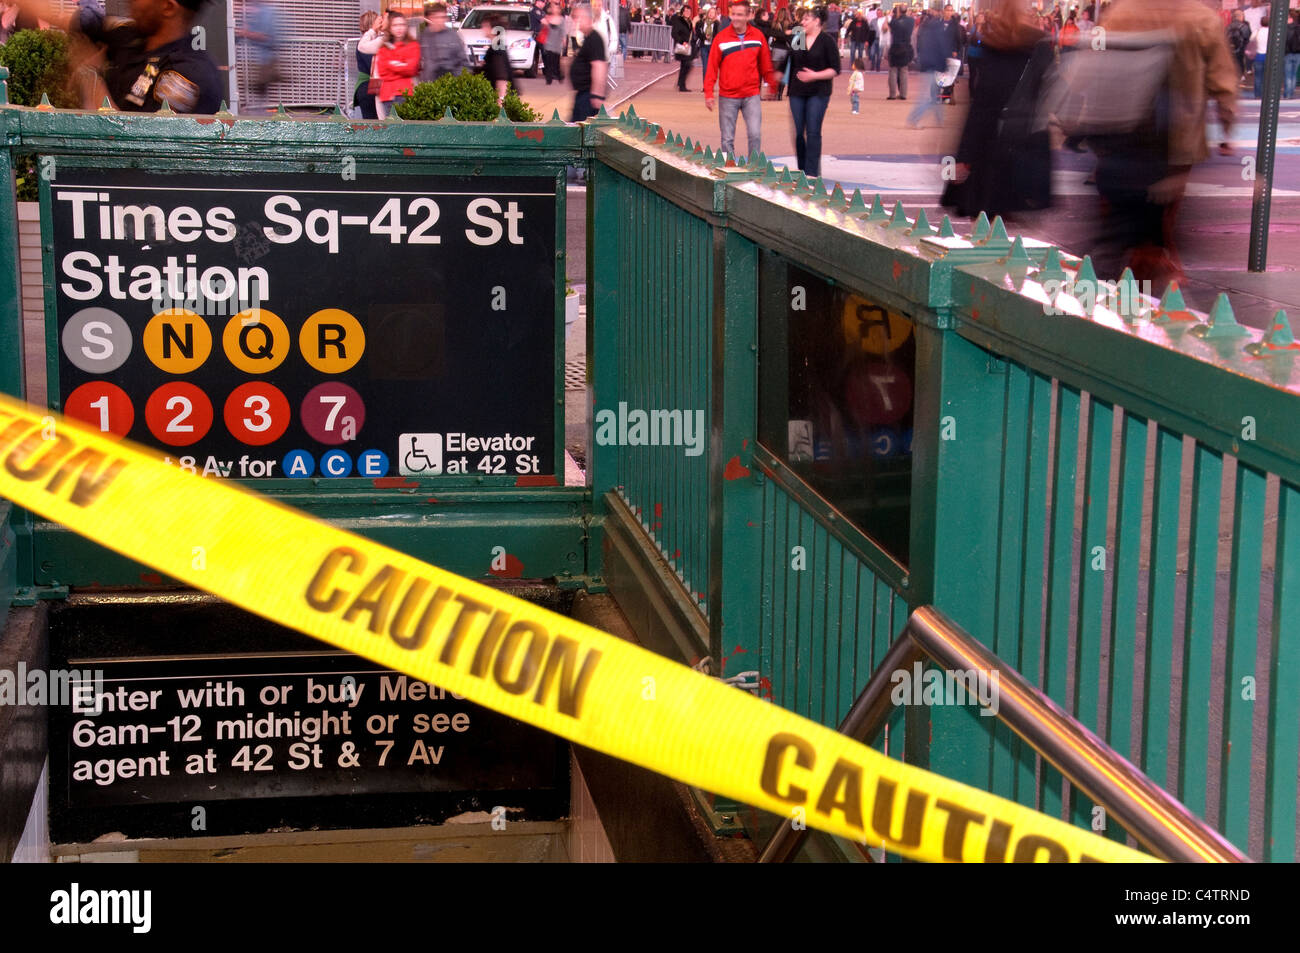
(947, 80)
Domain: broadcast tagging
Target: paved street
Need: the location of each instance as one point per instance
(877, 151)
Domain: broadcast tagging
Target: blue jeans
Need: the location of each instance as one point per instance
(1259, 76)
(924, 104)
(704, 58)
(808, 113)
(874, 53)
(855, 51)
(752, 109)
(1290, 64)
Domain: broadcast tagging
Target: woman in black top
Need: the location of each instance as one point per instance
(813, 64)
(496, 64)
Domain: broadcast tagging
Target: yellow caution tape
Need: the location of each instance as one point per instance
(508, 654)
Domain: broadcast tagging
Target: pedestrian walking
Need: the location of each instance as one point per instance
(441, 48)
(813, 65)
(1291, 63)
(1142, 175)
(373, 29)
(553, 36)
(859, 37)
(1259, 47)
(1003, 159)
(396, 65)
(901, 53)
(590, 67)
(876, 34)
(932, 59)
(740, 65)
(683, 45)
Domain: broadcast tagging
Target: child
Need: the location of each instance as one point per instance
(855, 83)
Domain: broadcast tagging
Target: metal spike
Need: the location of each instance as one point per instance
(708, 154)
(1172, 305)
(818, 187)
(393, 117)
(878, 213)
(622, 117)
(1086, 272)
(281, 111)
(1052, 270)
(447, 116)
(753, 159)
(224, 112)
(107, 106)
(501, 116)
(1018, 254)
(801, 181)
(998, 231)
(945, 228)
(45, 102)
(631, 112)
(603, 116)
(837, 196)
(1279, 332)
(1222, 322)
(898, 218)
(1084, 289)
(856, 204)
(981, 229)
(166, 108)
(1129, 304)
(785, 178)
(555, 118)
(922, 225)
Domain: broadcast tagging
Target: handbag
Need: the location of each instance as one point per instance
(779, 55)
(374, 86)
(543, 33)
(682, 49)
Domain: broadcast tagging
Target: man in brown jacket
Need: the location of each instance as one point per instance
(1202, 69)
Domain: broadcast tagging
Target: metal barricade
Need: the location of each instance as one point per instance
(314, 73)
(650, 38)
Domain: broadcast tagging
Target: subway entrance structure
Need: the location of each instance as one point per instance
(1094, 491)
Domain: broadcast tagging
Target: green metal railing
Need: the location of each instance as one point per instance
(1069, 468)
(661, 350)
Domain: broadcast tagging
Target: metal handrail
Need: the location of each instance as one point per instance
(1158, 821)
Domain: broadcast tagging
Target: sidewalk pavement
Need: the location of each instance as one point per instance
(878, 152)
(637, 74)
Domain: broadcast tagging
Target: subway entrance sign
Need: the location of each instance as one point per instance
(193, 704)
(293, 327)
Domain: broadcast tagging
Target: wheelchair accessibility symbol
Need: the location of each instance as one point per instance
(420, 454)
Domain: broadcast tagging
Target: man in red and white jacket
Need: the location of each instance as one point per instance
(738, 64)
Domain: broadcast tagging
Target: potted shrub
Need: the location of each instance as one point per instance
(38, 65)
(470, 98)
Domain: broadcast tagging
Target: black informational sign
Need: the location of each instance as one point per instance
(266, 325)
(289, 736)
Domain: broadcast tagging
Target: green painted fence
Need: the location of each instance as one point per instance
(1103, 491)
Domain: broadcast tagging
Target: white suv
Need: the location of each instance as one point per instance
(524, 53)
